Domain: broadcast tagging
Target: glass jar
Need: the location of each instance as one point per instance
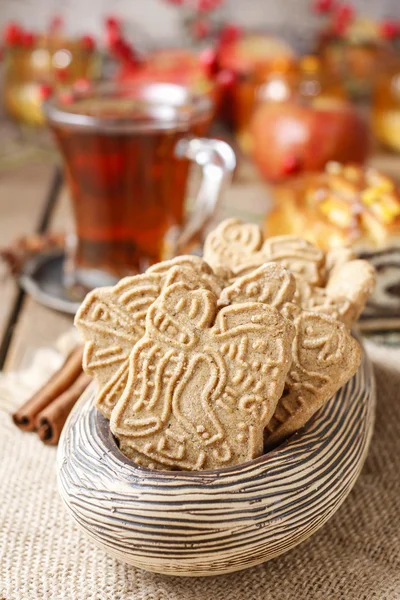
(30, 72)
(315, 82)
(386, 106)
(247, 62)
(273, 82)
(354, 62)
(305, 82)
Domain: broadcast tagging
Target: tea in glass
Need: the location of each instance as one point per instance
(127, 152)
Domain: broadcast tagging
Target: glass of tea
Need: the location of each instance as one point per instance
(127, 151)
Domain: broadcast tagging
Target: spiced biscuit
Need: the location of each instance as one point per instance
(232, 244)
(348, 288)
(355, 281)
(202, 384)
(240, 247)
(112, 319)
(270, 284)
(325, 355)
(299, 256)
(338, 256)
(338, 287)
(313, 298)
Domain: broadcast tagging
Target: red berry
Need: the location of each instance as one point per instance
(291, 165)
(12, 34)
(125, 53)
(200, 29)
(61, 75)
(56, 23)
(390, 29)
(113, 37)
(82, 85)
(208, 59)
(27, 39)
(322, 7)
(226, 78)
(88, 43)
(122, 49)
(113, 32)
(65, 98)
(345, 13)
(205, 5)
(230, 34)
(45, 91)
(343, 17)
(113, 23)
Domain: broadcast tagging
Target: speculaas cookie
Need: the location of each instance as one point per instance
(111, 320)
(338, 256)
(340, 291)
(353, 280)
(240, 247)
(324, 353)
(202, 384)
(270, 284)
(325, 357)
(347, 290)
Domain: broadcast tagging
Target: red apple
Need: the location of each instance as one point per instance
(290, 137)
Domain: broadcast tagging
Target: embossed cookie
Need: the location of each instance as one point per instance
(202, 384)
(338, 256)
(112, 320)
(232, 244)
(270, 284)
(240, 247)
(355, 281)
(324, 353)
(325, 357)
(348, 288)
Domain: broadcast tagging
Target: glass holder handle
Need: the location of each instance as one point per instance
(217, 161)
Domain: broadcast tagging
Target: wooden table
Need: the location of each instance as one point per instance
(33, 199)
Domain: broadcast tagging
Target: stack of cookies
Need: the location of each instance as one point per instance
(204, 364)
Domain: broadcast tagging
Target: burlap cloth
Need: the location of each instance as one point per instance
(43, 556)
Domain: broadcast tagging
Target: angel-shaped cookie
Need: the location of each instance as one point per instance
(325, 355)
(346, 284)
(112, 320)
(240, 247)
(202, 384)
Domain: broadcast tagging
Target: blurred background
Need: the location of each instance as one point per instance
(152, 120)
(155, 18)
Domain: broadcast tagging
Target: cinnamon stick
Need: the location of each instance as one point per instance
(25, 416)
(51, 420)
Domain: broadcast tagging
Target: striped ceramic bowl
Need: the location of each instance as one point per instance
(210, 522)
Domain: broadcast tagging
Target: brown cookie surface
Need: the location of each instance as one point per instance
(324, 353)
(202, 384)
(191, 365)
(240, 247)
(335, 285)
(325, 357)
(111, 320)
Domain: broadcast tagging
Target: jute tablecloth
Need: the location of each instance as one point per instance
(43, 556)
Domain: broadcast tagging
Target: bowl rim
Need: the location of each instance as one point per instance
(111, 445)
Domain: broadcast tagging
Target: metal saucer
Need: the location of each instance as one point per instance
(43, 278)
